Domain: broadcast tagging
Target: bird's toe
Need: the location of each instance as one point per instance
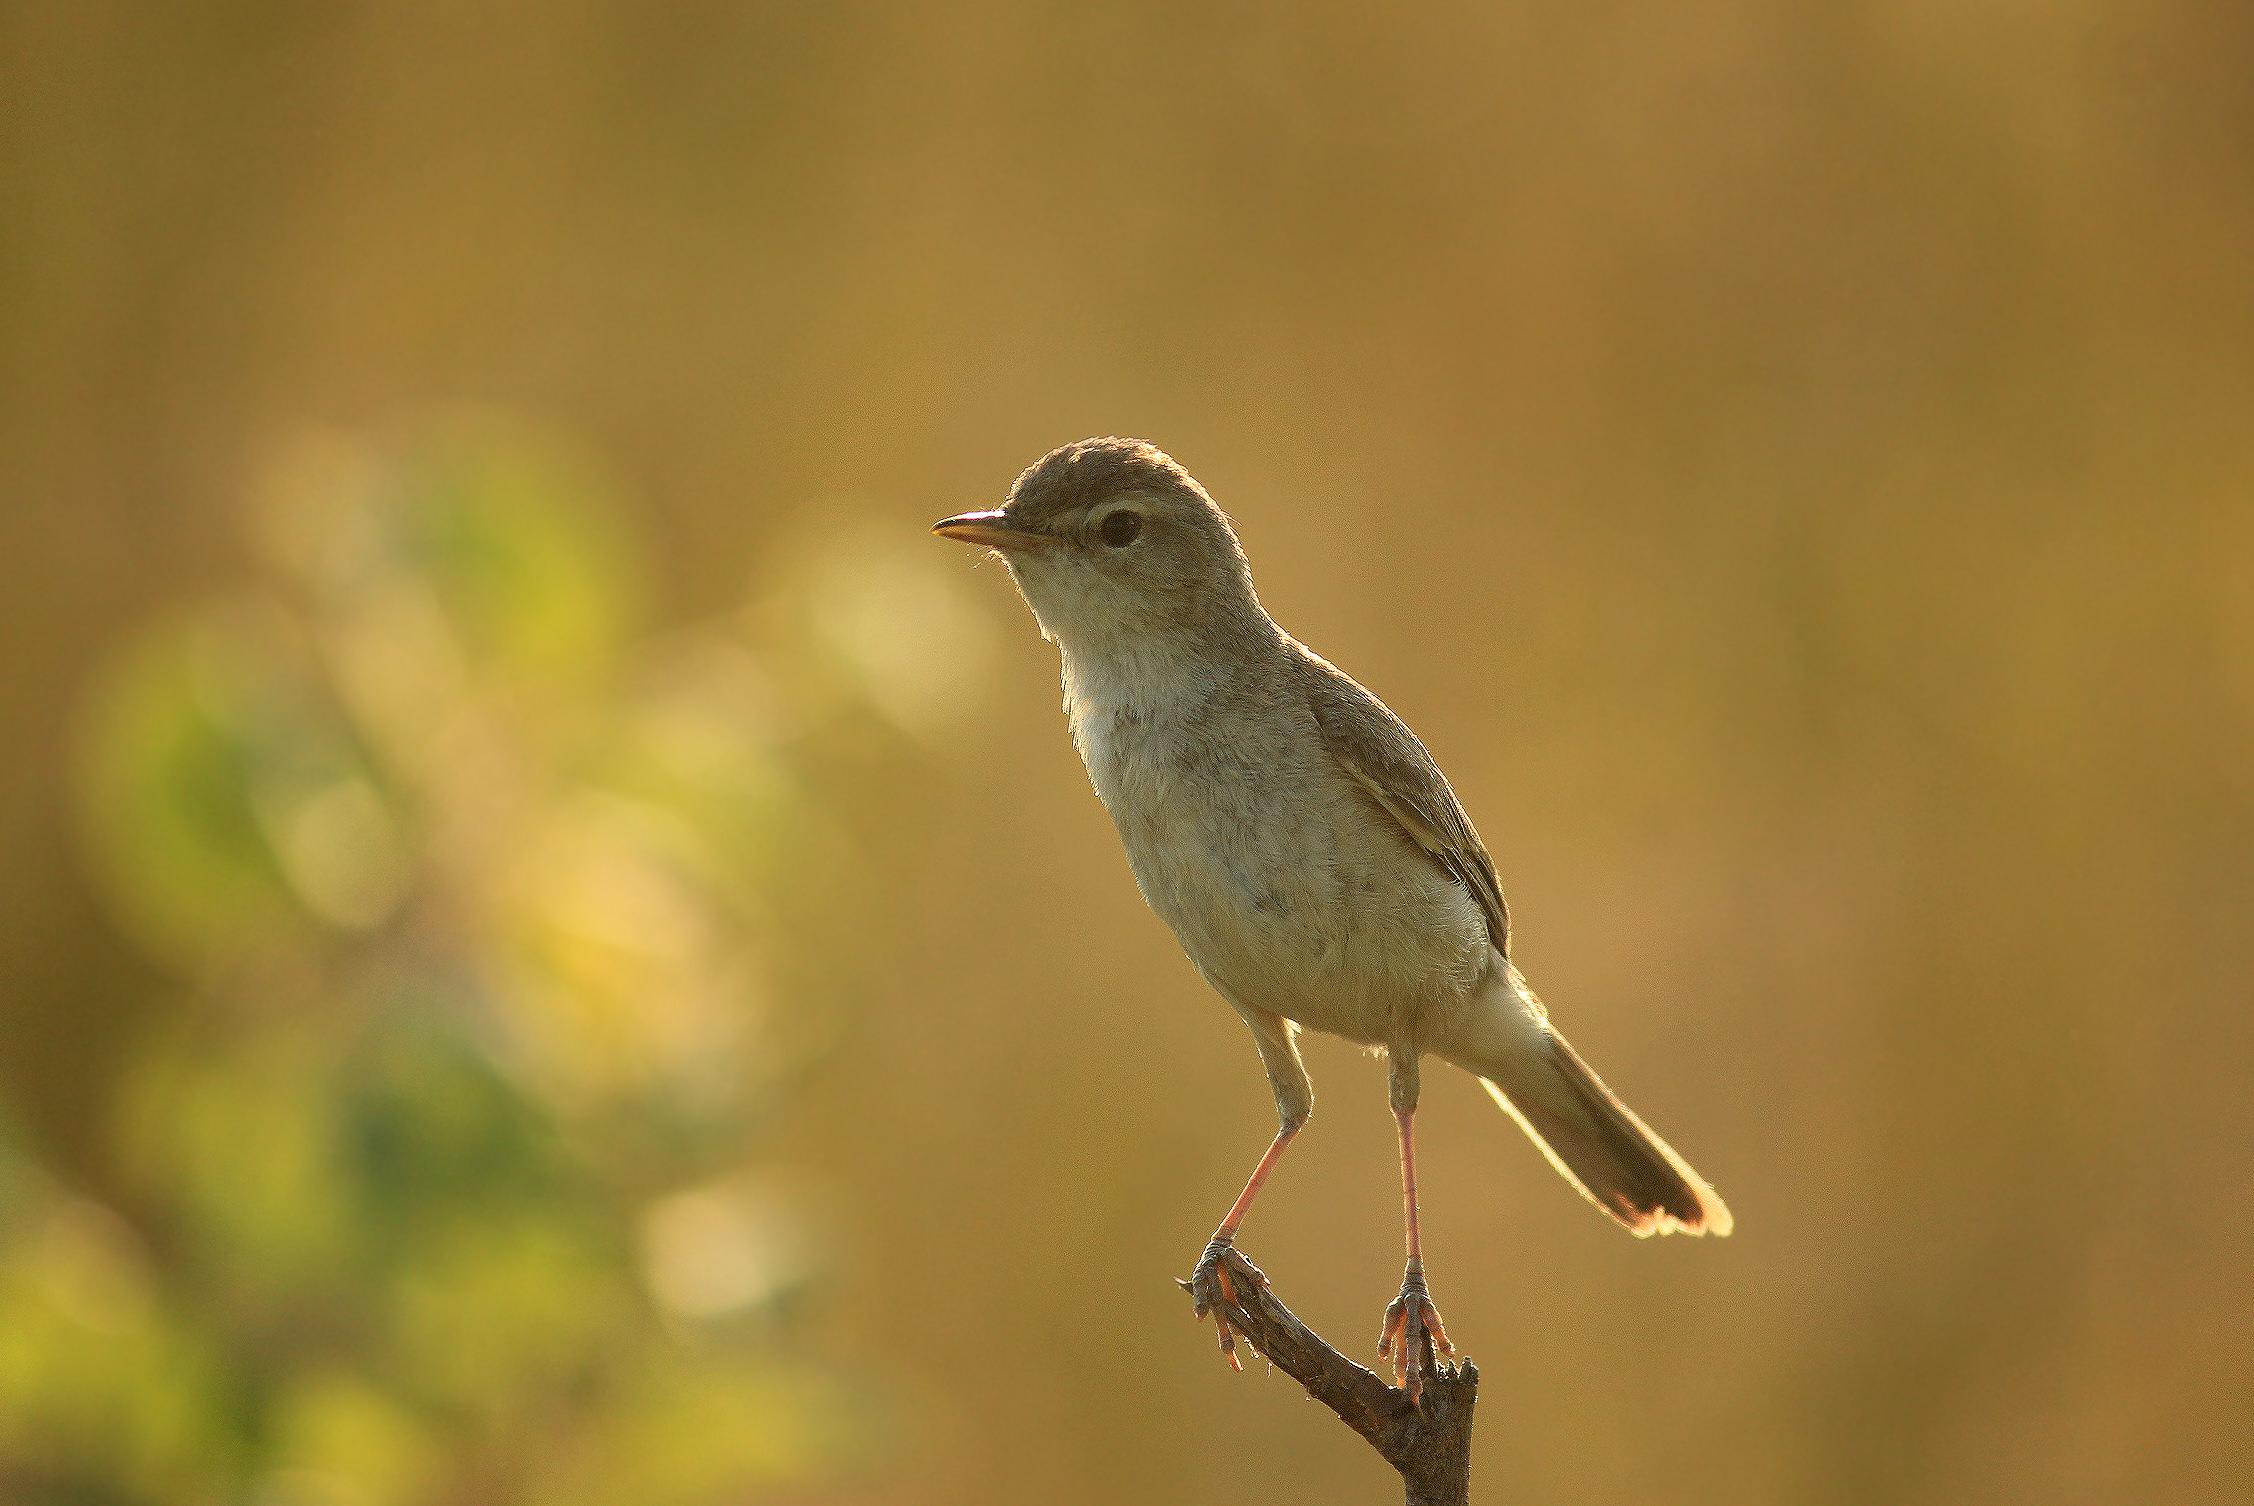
(1413, 1336)
(1215, 1283)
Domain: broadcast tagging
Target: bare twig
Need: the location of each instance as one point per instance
(1428, 1440)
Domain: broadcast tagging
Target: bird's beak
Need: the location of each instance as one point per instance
(985, 528)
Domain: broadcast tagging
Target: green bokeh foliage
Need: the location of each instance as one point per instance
(480, 896)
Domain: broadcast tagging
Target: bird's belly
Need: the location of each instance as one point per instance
(1285, 911)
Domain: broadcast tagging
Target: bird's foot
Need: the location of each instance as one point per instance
(1413, 1335)
(1220, 1271)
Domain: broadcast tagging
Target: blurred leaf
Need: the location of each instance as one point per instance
(538, 579)
(102, 1394)
(178, 743)
(500, 1318)
(485, 905)
(691, 1433)
(895, 622)
(339, 1441)
(242, 1146)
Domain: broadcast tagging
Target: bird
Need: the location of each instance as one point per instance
(1303, 847)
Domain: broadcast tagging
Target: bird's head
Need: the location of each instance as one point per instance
(1109, 538)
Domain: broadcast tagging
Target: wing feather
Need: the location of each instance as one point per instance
(1384, 757)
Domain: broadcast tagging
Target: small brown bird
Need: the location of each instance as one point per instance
(1301, 843)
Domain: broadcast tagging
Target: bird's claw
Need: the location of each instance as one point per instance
(1214, 1285)
(1412, 1335)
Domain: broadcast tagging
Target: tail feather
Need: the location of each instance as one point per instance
(1599, 1146)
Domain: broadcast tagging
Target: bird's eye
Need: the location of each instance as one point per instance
(1120, 528)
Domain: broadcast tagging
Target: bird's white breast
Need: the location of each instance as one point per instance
(1276, 875)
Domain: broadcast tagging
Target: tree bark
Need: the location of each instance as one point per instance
(1427, 1440)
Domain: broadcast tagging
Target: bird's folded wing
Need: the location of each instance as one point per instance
(1385, 758)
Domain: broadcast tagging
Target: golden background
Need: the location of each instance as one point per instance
(1792, 463)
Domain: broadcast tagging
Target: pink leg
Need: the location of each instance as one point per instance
(1412, 1319)
(1228, 1229)
(1219, 1254)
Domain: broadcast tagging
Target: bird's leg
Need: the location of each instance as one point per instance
(1412, 1324)
(1211, 1282)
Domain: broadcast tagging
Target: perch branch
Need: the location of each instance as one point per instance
(1428, 1441)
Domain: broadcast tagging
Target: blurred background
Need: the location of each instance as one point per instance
(553, 947)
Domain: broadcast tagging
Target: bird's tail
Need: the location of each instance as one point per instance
(1589, 1135)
